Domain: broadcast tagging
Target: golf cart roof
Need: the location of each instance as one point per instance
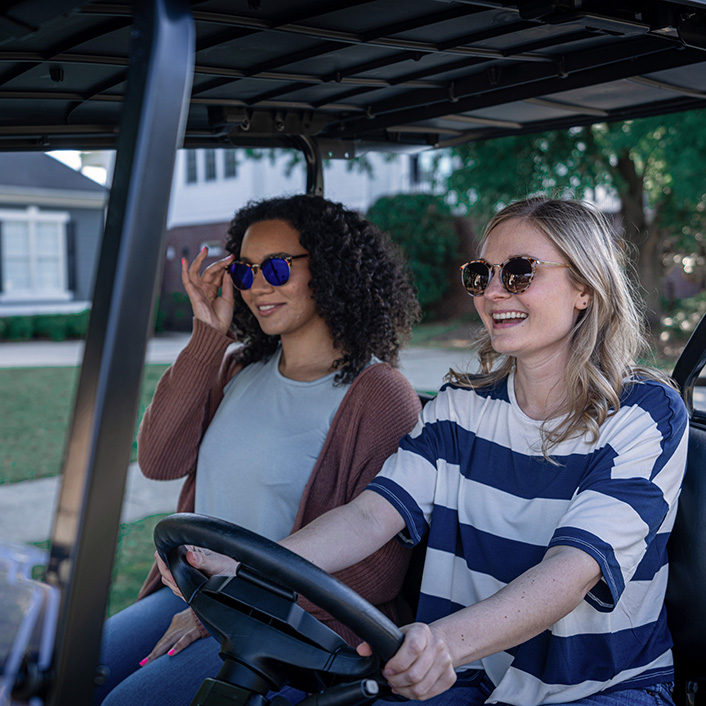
(391, 74)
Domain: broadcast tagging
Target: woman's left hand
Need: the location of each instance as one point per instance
(182, 631)
(422, 667)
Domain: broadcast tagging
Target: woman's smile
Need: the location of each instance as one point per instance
(507, 318)
(268, 309)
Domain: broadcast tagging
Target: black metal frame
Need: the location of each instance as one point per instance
(685, 599)
(688, 368)
(400, 80)
(314, 165)
(86, 526)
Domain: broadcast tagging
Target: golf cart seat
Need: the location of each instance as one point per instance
(686, 591)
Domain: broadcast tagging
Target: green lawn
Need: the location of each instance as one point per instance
(135, 557)
(133, 561)
(35, 410)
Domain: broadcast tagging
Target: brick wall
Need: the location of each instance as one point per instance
(184, 241)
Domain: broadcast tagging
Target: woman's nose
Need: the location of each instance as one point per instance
(495, 288)
(259, 282)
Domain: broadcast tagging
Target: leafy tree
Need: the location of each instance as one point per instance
(422, 225)
(654, 166)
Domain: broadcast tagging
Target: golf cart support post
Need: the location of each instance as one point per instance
(88, 518)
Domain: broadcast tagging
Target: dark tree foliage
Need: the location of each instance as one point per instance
(423, 226)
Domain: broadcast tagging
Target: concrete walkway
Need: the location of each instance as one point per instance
(34, 354)
(27, 508)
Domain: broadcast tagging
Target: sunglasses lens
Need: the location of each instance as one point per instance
(517, 274)
(276, 271)
(241, 274)
(475, 277)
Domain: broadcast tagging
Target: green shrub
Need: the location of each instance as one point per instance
(679, 323)
(77, 325)
(423, 225)
(56, 327)
(19, 328)
(174, 313)
(51, 327)
(183, 312)
(158, 316)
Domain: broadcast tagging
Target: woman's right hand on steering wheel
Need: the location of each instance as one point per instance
(209, 306)
(422, 668)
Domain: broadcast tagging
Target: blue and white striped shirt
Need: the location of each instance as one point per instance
(472, 475)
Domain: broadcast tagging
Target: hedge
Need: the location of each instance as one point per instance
(423, 225)
(55, 327)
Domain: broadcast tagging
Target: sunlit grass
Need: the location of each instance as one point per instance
(35, 412)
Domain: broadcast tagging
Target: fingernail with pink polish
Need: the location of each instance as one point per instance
(171, 652)
(144, 661)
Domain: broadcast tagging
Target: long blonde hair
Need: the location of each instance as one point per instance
(608, 334)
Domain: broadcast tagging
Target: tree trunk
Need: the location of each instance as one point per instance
(644, 236)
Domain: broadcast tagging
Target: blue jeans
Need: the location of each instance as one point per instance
(480, 688)
(129, 636)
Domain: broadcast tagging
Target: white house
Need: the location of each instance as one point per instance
(210, 185)
(51, 221)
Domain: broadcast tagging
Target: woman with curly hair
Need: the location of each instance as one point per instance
(546, 487)
(284, 404)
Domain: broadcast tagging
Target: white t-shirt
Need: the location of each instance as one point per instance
(471, 476)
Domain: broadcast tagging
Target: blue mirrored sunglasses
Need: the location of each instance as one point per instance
(274, 269)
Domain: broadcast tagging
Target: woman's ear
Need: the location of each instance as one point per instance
(584, 299)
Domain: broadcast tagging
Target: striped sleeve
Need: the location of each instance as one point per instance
(626, 502)
(408, 479)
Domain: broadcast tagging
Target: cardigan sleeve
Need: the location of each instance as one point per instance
(184, 402)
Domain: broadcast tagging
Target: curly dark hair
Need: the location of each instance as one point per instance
(359, 281)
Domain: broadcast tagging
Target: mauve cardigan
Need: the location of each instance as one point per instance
(379, 408)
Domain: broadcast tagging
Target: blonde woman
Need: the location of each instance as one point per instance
(547, 487)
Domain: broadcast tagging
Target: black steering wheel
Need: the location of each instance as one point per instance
(267, 640)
